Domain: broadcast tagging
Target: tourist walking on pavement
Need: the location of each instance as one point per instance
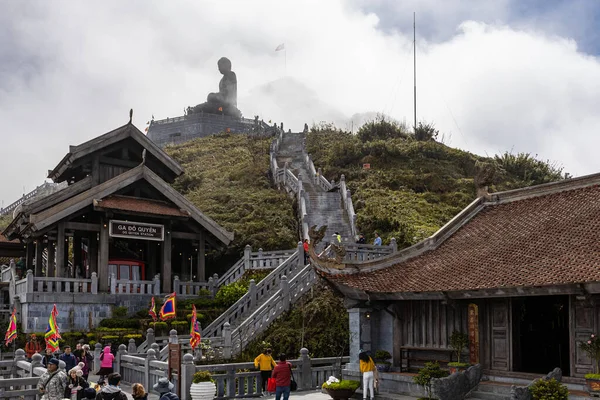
(165, 389)
(86, 358)
(32, 346)
(52, 383)
(112, 391)
(283, 378)
(68, 358)
(368, 369)
(377, 241)
(139, 393)
(265, 363)
(106, 363)
(75, 383)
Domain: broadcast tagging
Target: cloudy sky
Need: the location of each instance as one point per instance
(493, 75)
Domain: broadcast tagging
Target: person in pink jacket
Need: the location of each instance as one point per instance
(106, 363)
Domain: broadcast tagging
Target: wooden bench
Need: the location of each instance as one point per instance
(408, 353)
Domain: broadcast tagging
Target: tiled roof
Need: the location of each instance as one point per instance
(124, 203)
(552, 239)
(3, 239)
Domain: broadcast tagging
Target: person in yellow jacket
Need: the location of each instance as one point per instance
(265, 363)
(368, 369)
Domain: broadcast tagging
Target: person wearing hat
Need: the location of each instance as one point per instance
(53, 382)
(112, 391)
(86, 358)
(75, 383)
(32, 346)
(165, 389)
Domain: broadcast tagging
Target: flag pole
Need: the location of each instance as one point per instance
(415, 67)
(285, 60)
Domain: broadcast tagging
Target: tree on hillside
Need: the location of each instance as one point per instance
(529, 169)
(382, 129)
(425, 132)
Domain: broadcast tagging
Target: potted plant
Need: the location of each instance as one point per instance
(458, 342)
(203, 387)
(592, 348)
(423, 378)
(381, 360)
(340, 389)
(548, 389)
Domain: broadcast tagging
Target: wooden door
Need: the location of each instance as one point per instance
(500, 333)
(582, 327)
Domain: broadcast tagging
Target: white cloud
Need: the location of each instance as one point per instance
(71, 71)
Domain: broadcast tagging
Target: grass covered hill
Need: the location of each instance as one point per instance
(415, 184)
(227, 178)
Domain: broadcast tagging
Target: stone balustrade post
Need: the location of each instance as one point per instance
(260, 258)
(187, 374)
(150, 356)
(348, 199)
(230, 382)
(252, 293)
(29, 282)
(122, 351)
(300, 255)
(94, 283)
(247, 251)
(157, 285)
(113, 283)
(19, 356)
(393, 245)
(97, 352)
(176, 284)
(156, 348)
(211, 287)
(285, 168)
(36, 362)
(304, 367)
(131, 347)
(150, 338)
(285, 291)
(173, 336)
(227, 342)
(319, 173)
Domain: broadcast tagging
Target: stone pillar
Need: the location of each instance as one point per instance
(61, 242)
(393, 245)
(247, 251)
(252, 293)
(156, 348)
(77, 259)
(176, 284)
(157, 285)
(285, 292)
(51, 265)
(97, 352)
(113, 283)
(36, 362)
(29, 282)
(304, 368)
(19, 356)
(187, 374)
(103, 255)
(360, 334)
(300, 255)
(173, 336)
(227, 341)
(166, 269)
(122, 351)
(93, 252)
(211, 287)
(131, 347)
(150, 356)
(201, 267)
(39, 249)
(260, 258)
(150, 338)
(29, 255)
(94, 283)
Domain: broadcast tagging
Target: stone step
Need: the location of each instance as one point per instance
(477, 395)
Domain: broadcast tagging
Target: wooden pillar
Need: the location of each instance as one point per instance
(201, 266)
(51, 266)
(166, 269)
(77, 259)
(93, 252)
(39, 248)
(103, 257)
(29, 254)
(60, 251)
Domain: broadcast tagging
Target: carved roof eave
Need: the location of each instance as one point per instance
(42, 220)
(114, 136)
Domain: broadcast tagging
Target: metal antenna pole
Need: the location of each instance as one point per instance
(415, 67)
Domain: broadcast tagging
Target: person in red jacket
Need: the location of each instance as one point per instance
(282, 373)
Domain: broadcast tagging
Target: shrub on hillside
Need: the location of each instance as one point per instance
(120, 323)
(382, 129)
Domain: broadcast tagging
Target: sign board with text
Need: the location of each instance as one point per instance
(473, 334)
(136, 230)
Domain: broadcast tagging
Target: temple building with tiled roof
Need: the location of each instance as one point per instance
(517, 271)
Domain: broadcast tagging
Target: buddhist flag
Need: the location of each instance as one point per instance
(11, 332)
(195, 335)
(167, 311)
(280, 47)
(52, 332)
(152, 311)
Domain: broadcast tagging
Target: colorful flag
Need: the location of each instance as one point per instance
(167, 311)
(11, 332)
(195, 335)
(280, 47)
(52, 332)
(152, 311)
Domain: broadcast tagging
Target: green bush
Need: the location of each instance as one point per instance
(160, 328)
(592, 376)
(229, 294)
(110, 337)
(458, 341)
(202, 376)
(120, 312)
(120, 323)
(342, 384)
(548, 390)
(382, 355)
(458, 364)
(425, 375)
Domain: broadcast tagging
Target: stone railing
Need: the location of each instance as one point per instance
(127, 286)
(7, 272)
(316, 175)
(289, 292)
(257, 294)
(183, 288)
(348, 206)
(366, 252)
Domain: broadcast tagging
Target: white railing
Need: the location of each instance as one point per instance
(234, 273)
(348, 206)
(367, 252)
(257, 293)
(126, 286)
(62, 285)
(269, 259)
(6, 273)
(183, 288)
